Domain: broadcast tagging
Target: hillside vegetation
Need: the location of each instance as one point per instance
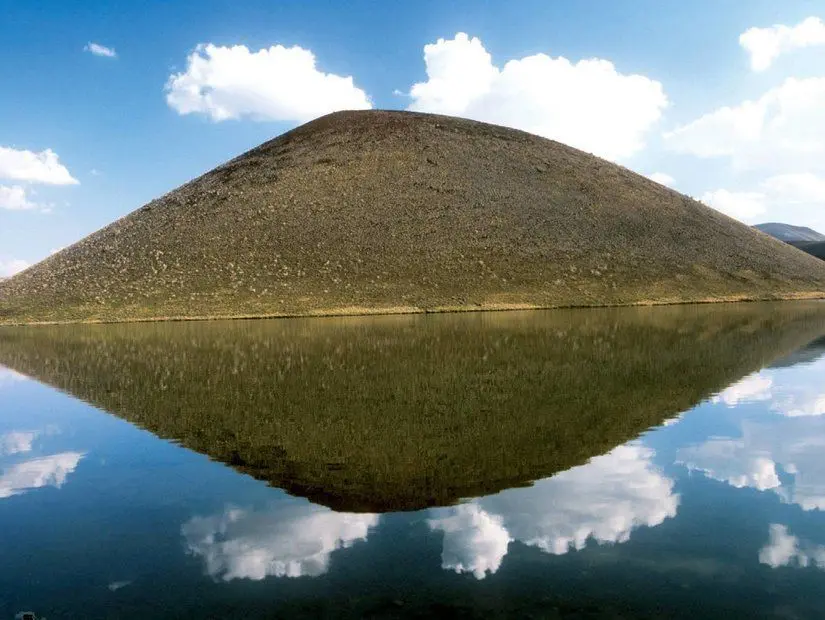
(398, 413)
(394, 211)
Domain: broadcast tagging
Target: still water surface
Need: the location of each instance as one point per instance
(654, 463)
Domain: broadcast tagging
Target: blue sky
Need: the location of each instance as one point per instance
(677, 92)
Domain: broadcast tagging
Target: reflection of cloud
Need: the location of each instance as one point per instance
(777, 453)
(793, 392)
(40, 472)
(796, 406)
(17, 442)
(118, 585)
(674, 420)
(604, 501)
(792, 445)
(474, 541)
(290, 539)
(750, 389)
(731, 461)
(800, 447)
(7, 376)
(785, 549)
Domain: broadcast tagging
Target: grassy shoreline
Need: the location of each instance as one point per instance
(355, 311)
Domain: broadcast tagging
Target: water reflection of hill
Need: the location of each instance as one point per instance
(805, 355)
(391, 413)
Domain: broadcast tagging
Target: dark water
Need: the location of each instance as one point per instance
(647, 463)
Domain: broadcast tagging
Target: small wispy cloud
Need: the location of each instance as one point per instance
(662, 178)
(765, 45)
(14, 198)
(11, 267)
(100, 50)
(30, 167)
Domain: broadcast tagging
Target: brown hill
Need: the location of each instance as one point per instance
(394, 211)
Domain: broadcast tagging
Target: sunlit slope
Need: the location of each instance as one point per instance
(389, 413)
(379, 211)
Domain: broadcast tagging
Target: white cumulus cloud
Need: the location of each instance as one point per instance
(790, 197)
(780, 132)
(765, 45)
(785, 549)
(745, 206)
(293, 538)
(794, 189)
(14, 198)
(773, 147)
(587, 104)
(274, 84)
(662, 178)
(602, 501)
(42, 167)
(100, 50)
(11, 267)
(36, 473)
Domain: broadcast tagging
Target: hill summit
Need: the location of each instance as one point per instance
(376, 211)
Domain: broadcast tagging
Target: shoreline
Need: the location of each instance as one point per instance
(358, 311)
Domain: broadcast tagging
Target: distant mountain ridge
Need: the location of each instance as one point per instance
(789, 233)
(801, 237)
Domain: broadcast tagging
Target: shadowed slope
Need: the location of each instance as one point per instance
(391, 413)
(814, 249)
(392, 211)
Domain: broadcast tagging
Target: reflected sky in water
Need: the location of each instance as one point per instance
(603, 502)
(717, 511)
(291, 538)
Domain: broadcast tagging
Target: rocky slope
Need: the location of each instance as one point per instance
(375, 211)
